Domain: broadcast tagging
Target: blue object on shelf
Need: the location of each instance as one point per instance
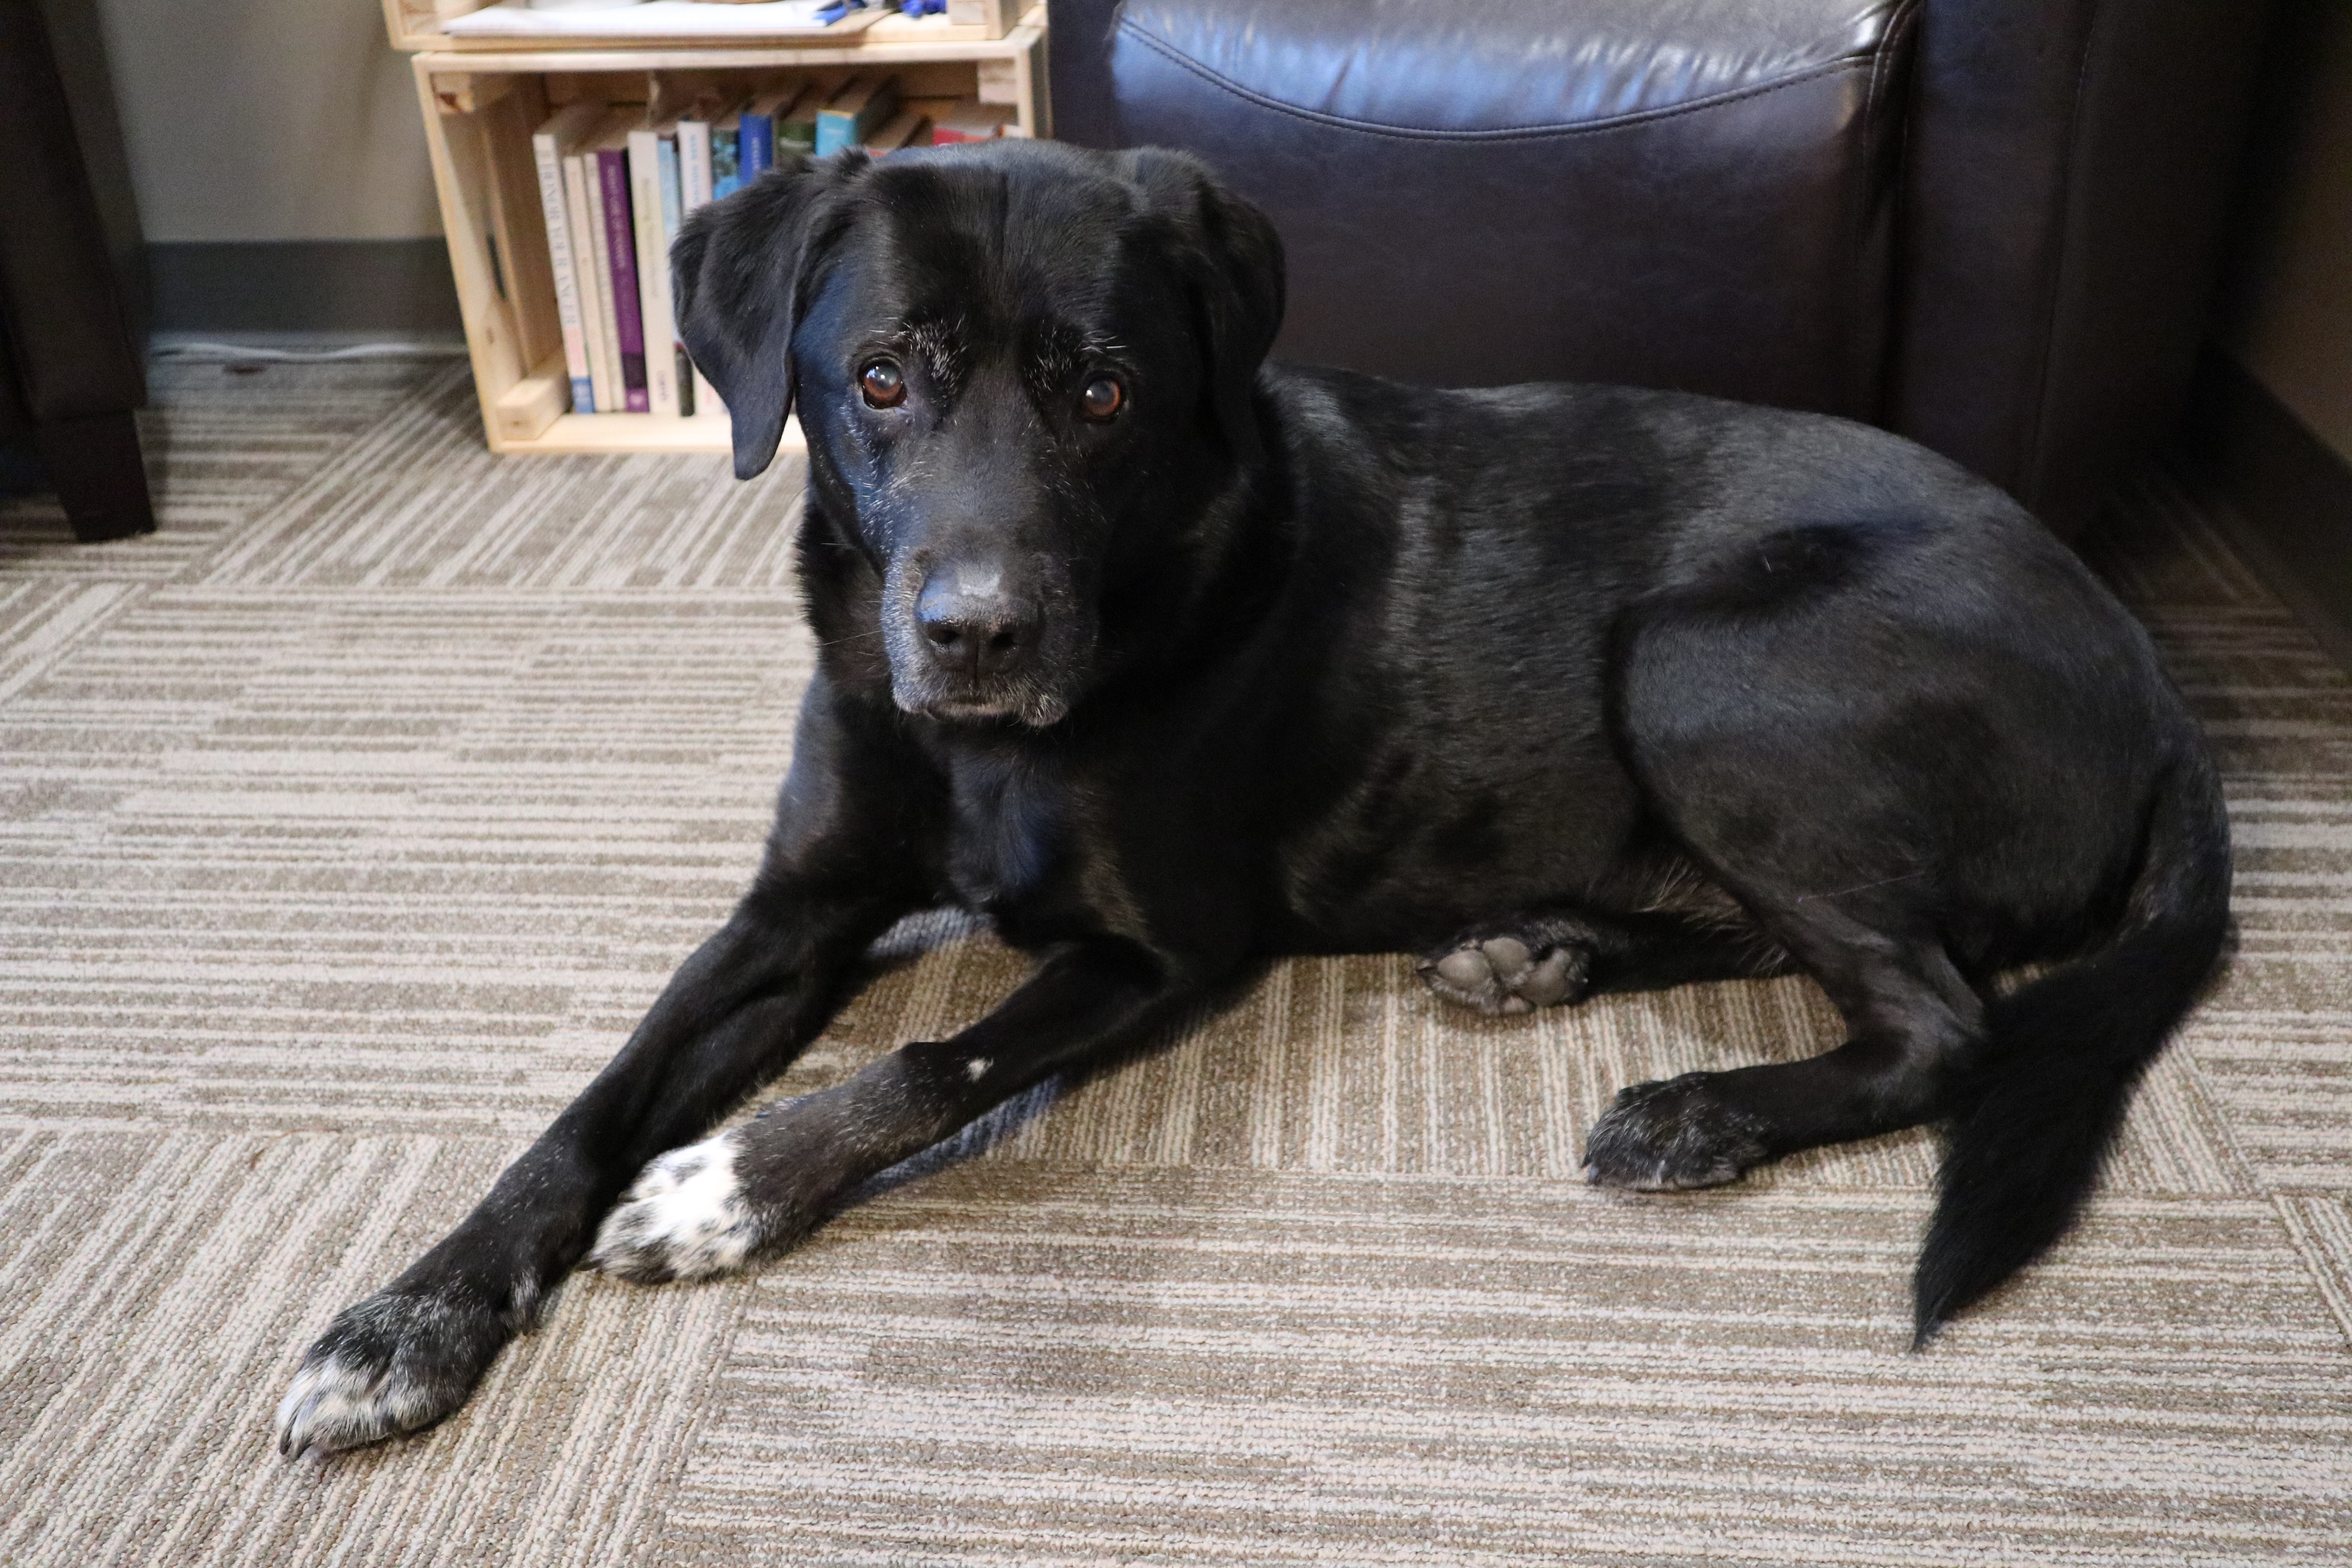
(922, 8)
(834, 13)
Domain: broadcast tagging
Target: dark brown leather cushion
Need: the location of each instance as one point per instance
(1683, 192)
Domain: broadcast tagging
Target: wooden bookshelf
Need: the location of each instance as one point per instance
(482, 98)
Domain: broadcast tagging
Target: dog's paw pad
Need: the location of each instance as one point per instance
(687, 1217)
(1502, 974)
(1666, 1137)
(387, 1365)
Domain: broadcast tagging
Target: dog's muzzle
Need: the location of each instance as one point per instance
(976, 639)
(970, 646)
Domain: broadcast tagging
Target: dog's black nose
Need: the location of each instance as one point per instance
(979, 634)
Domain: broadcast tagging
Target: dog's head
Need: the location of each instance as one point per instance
(1025, 374)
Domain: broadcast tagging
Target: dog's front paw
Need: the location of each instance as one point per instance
(1664, 1137)
(687, 1217)
(1503, 973)
(395, 1362)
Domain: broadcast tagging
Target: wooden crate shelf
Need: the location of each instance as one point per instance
(483, 98)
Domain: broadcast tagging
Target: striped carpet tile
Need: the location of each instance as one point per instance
(222, 446)
(1027, 1363)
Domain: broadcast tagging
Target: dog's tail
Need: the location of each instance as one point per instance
(2064, 1053)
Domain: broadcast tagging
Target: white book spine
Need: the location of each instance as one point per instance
(545, 154)
(589, 272)
(694, 189)
(673, 213)
(653, 271)
(694, 160)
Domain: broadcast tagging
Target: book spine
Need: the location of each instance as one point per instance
(673, 210)
(697, 186)
(759, 145)
(833, 130)
(611, 397)
(970, 121)
(854, 119)
(797, 126)
(726, 161)
(550, 161)
(588, 253)
(694, 162)
(650, 250)
(612, 165)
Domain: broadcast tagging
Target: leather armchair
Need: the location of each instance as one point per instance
(72, 332)
(1990, 225)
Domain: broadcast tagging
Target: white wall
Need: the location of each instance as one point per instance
(268, 119)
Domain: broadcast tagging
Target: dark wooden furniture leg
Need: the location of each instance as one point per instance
(95, 463)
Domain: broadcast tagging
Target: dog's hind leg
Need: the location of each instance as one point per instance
(758, 1188)
(1802, 724)
(1912, 1023)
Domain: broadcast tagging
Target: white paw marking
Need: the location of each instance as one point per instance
(977, 1068)
(685, 1218)
(335, 1403)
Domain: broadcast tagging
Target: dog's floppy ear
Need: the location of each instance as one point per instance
(739, 276)
(1235, 262)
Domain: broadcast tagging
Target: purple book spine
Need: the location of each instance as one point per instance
(620, 238)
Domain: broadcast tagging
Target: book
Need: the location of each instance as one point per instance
(649, 250)
(549, 144)
(970, 121)
(797, 127)
(695, 186)
(589, 272)
(693, 160)
(621, 263)
(673, 210)
(856, 112)
(758, 128)
(727, 153)
(907, 128)
(698, 142)
(611, 397)
(755, 144)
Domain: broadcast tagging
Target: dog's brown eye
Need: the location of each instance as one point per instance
(884, 384)
(1103, 397)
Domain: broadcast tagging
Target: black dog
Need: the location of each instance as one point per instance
(1170, 662)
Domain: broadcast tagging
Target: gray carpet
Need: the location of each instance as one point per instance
(347, 824)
